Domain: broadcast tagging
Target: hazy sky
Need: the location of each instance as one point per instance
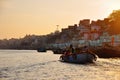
(21, 17)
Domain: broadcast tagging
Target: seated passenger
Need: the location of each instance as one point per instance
(85, 49)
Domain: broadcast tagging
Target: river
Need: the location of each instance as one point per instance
(33, 65)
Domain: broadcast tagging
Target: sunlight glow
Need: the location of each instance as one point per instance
(113, 5)
(40, 17)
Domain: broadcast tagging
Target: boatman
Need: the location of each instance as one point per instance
(71, 49)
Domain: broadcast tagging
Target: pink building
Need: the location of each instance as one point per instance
(89, 31)
(95, 31)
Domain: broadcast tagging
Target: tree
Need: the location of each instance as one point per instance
(114, 18)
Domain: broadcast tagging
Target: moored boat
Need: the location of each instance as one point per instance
(41, 50)
(106, 52)
(58, 51)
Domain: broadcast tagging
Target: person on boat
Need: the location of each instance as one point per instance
(85, 49)
(71, 49)
(68, 52)
(77, 50)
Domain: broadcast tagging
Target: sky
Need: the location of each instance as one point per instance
(40, 17)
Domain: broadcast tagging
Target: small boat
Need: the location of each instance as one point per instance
(41, 50)
(79, 58)
(58, 51)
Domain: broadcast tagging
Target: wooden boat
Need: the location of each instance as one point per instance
(79, 58)
(106, 52)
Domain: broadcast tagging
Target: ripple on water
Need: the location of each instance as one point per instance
(30, 66)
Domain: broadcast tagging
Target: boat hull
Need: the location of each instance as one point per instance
(102, 52)
(58, 51)
(41, 50)
(79, 58)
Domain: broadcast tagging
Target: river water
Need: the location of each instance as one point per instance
(32, 65)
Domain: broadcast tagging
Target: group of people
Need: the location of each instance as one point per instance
(73, 51)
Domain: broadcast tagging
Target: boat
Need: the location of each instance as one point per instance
(106, 52)
(58, 51)
(41, 50)
(79, 58)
